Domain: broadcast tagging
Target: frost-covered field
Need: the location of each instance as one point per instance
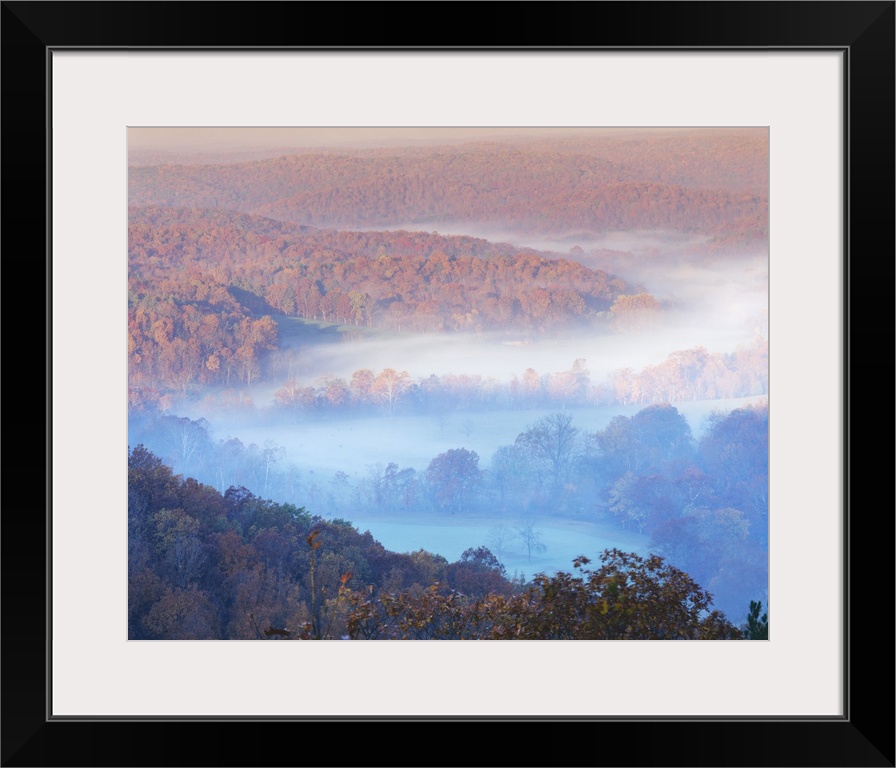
(563, 539)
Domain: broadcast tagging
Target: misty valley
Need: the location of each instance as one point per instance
(346, 423)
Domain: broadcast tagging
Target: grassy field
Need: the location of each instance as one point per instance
(449, 536)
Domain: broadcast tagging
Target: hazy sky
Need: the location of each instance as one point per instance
(223, 138)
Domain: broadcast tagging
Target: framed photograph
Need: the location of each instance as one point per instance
(118, 103)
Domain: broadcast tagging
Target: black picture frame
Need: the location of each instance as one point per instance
(864, 31)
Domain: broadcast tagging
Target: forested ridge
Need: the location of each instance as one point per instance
(206, 565)
(715, 184)
(205, 288)
(432, 282)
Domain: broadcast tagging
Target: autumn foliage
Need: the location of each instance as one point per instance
(627, 598)
(204, 286)
(205, 566)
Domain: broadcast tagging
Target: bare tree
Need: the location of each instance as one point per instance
(530, 537)
(552, 444)
(499, 538)
(188, 438)
(390, 385)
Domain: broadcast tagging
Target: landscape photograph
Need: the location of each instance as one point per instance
(495, 383)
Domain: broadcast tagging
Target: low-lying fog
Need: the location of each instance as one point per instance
(739, 322)
(718, 306)
(324, 446)
(316, 449)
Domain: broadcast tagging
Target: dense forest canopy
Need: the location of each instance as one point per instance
(707, 182)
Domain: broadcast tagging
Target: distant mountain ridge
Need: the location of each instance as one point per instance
(707, 182)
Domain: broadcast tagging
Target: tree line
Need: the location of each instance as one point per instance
(685, 376)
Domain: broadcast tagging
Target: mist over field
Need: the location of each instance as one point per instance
(586, 375)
